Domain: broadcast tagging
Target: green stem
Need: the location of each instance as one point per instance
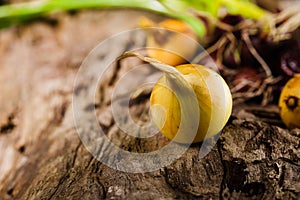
(24, 10)
(15, 13)
(41, 7)
(244, 8)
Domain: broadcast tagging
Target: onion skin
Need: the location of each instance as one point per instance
(214, 102)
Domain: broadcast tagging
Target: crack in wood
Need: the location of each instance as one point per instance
(223, 185)
(9, 125)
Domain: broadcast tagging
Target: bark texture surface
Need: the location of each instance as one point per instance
(42, 156)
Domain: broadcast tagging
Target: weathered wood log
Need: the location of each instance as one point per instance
(42, 156)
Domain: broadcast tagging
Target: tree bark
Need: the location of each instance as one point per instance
(43, 156)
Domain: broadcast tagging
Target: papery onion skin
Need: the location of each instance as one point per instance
(214, 102)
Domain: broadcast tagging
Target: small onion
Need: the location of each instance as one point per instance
(203, 106)
(214, 103)
(289, 103)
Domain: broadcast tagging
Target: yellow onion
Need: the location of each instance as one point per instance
(173, 43)
(189, 103)
(214, 104)
(289, 103)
